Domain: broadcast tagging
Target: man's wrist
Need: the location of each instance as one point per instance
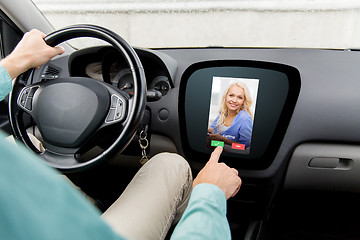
(15, 65)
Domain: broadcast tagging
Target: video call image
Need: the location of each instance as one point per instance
(231, 114)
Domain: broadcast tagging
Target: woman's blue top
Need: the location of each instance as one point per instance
(240, 130)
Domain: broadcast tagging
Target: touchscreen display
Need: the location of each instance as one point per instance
(231, 113)
(244, 106)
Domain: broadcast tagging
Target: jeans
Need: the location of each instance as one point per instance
(154, 199)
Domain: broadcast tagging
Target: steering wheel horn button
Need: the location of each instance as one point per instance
(68, 111)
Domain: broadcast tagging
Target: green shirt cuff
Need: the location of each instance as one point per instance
(5, 83)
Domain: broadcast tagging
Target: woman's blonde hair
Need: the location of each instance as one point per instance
(246, 105)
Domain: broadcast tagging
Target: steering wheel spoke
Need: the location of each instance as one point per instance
(25, 98)
(118, 108)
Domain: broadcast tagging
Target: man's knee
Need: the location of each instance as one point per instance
(173, 165)
(170, 160)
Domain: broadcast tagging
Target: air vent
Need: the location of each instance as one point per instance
(50, 72)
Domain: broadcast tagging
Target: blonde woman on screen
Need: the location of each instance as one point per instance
(235, 120)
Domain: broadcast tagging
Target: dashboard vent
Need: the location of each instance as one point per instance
(50, 72)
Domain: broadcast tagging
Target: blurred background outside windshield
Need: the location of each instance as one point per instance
(217, 23)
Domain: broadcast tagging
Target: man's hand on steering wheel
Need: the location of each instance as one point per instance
(31, 52)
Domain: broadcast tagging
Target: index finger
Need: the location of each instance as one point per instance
(215, 155)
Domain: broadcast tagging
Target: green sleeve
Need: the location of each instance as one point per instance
(205, 216)
(5, 83)
(37, 203)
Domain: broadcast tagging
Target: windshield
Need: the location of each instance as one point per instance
(216, 23)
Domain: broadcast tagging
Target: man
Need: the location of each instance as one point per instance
(37, 203)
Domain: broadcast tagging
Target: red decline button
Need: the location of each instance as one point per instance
(238, 146)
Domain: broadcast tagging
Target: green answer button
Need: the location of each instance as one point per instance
(217, 143)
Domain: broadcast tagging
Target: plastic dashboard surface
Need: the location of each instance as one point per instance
(325, 110)
(318, 104)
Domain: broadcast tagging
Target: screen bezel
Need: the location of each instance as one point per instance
(247, 162)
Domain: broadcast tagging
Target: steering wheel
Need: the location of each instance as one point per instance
(70, 112)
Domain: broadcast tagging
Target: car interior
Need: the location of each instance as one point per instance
(300, 176)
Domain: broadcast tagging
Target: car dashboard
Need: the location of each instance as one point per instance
(305, 133)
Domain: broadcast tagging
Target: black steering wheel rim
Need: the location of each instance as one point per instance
(63, 161)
